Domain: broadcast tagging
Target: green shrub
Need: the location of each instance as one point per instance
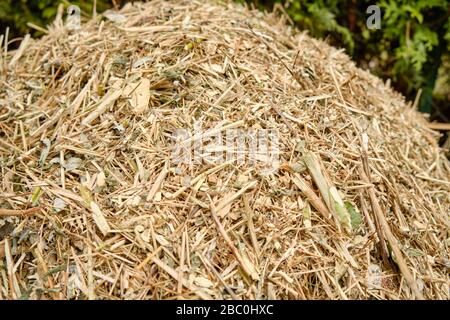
(409, 47)
(17, 13)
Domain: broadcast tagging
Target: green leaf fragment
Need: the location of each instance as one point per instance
(414, 252)
(343, 216)
(355, 216)
(55, 270)
(36, 195)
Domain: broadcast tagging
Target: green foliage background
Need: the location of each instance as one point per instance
(17, 13)
(411, 48)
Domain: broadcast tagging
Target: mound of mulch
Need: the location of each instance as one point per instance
(350, 199)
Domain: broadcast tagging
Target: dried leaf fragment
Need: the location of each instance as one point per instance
(99, 219)
(138, 95)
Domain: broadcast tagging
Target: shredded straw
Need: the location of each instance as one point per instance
(93, 206)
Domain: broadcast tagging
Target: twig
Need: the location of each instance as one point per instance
(384, 225)
(230, 244)
(18, 213)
